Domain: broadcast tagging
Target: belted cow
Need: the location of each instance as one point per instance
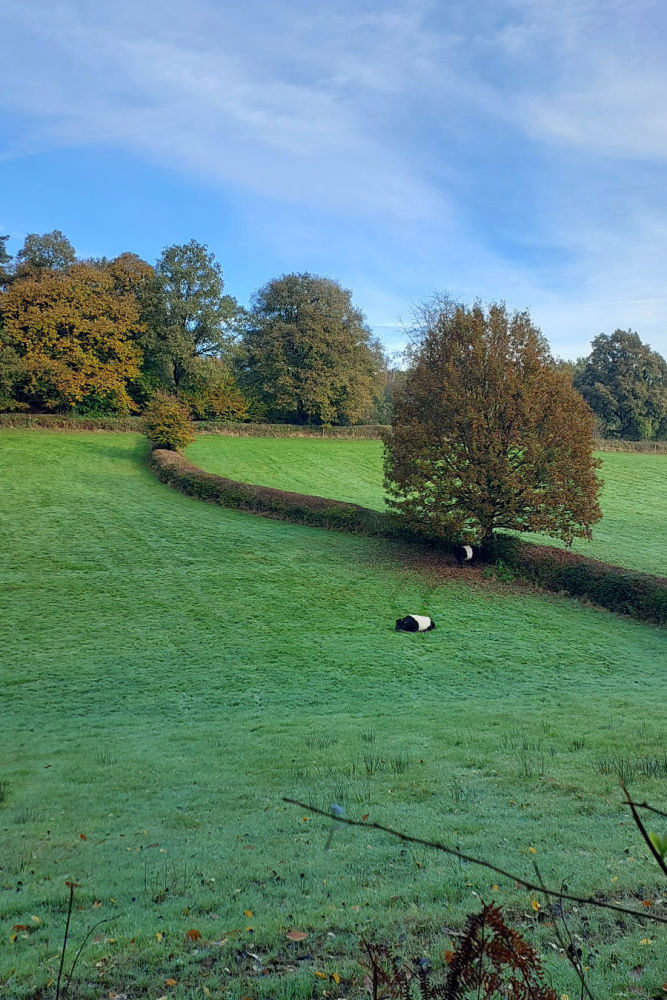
(415, 623)
(465, 554)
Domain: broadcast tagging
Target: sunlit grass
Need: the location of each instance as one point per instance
(170, 670)
(632, 533)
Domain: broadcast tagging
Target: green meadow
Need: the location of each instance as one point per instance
(171, 670)
(632, 533)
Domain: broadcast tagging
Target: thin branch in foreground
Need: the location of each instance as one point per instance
(437, 846)
(645, 805)
(642, 829)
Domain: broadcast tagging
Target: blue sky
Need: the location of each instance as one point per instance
(494, 149)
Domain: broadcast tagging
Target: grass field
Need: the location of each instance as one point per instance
(632, 533)
(170, 670)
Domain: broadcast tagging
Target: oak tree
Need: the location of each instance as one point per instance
(309, 356)
(72, 331)
(487, 433)
(625, 384)
(187, 315)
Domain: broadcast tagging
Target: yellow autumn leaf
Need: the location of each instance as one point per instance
(247, 913)
(535, 905)
(158, 936)
(532, 850)
(336, 978)
(36, 920)
(495, 887)
(320, 975)
(13, 937)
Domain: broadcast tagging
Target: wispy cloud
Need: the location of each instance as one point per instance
(515, 148)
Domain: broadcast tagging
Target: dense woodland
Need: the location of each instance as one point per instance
(99, 337)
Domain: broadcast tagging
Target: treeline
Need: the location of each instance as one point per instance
(100, 337)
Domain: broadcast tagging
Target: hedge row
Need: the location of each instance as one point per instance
(55, 421)
(238, 429)
(372, 431)
(636, 594)
(172, 468)
(641, 447)
(626, 591)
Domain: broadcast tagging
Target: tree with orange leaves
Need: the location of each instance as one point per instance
(72, 330)
(487, 432)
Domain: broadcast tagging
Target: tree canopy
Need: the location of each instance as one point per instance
(487, 433)
(48, 252)
(625, 384)
(68, 335)
(187, 315)
(309, 356)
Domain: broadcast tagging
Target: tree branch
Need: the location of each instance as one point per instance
(436, 845)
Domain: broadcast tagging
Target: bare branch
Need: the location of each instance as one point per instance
(436, 845)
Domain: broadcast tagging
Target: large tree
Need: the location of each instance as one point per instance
(625, 384)
(188, 317)
(47, 252)
(487, 433)
(309, 356)
(71, 333)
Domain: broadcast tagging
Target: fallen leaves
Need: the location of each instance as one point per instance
(296, 935)
(193, 934)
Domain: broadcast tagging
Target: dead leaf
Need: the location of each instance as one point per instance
(335, 977)
(247, 913)
(320, 975)
(296, 935)
(171, 982)
(22, 927)
(193, 934)
(448, 956)
(82, 836)
(96, 904)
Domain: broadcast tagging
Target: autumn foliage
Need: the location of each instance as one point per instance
(487, 433)
(492, 961)
(167, 424)
(72, 331)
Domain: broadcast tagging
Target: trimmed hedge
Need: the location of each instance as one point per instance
(372, 431)
(318, 512)
(53, 421)
(636, 594)
(65, 422)
(629, 592)
(239, 429)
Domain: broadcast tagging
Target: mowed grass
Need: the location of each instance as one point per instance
(632, 533)
(170, 670)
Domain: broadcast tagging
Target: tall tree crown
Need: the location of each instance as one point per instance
(308, 352)
(487, 433)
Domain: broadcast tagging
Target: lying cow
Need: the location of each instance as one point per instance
(464, 554)
(415, 623)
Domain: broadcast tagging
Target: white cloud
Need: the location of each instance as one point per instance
(399, 126)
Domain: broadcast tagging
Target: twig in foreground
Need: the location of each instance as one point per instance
(437, 846)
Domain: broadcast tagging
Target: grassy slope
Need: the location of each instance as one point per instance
(633, 531)
(171, 669)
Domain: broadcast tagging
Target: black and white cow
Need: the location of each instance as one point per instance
(465, 554)
(415, 623)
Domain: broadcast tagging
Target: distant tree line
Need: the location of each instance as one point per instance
(100, 336)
